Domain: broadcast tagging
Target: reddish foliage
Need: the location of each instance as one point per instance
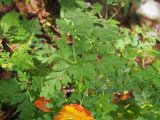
(41, 104)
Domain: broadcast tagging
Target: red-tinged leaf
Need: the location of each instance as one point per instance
(41, 104)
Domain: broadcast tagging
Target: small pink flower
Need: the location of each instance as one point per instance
(157, 27)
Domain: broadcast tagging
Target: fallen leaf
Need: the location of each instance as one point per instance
(118, 97)
(147, 61)
(41, 104)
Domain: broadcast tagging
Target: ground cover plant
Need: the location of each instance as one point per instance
(90, 65)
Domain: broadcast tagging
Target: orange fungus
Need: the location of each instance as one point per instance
(74, 112)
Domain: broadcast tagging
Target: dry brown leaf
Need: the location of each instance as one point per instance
(125, 95)
(33, 8)
(147, 61)
(5, 75)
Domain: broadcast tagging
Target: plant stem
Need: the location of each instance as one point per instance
(74, 53)
(84, 95)
(68, 60)
(30, 40)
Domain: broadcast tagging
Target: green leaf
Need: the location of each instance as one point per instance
(96, 8)
(60, 66)
(54, 83)
(54, 75)
(37, 83)
(8, 87)
(31, 26)
(6, 1)
(17, 98)
(26, 109)
(23, 76)
(9, 20)
(89, 70)
(51, 88)
(77, 72)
